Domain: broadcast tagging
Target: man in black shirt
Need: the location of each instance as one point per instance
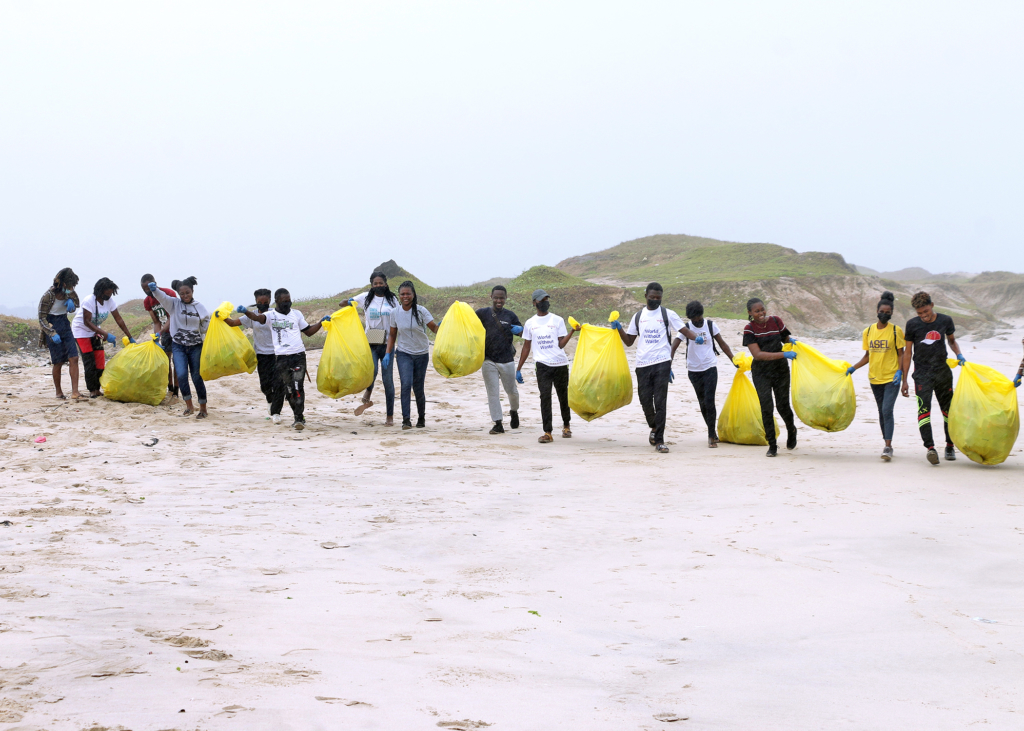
(926, 337)
(499, 356)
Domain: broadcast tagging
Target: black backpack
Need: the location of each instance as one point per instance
(664, 316)
(711, 329)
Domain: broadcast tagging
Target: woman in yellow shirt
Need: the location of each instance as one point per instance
(883, 349)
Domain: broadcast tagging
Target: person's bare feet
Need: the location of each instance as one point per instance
(367, 403)
(76, 396)
(390, 421)
(60, 396)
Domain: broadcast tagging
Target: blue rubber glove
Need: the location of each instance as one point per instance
(790, 355)
(850, 370)
(793, 340)
(325, 318)
(616, 325)
(961, 359)
(132, 340)
(519, 377)
(352, 302)
(386, 360)
(216, 314)
(1016, 381)
(111, 338)
(699, 339)
(671, 376)
(517, 329)
(56, 339)
(241, 309)
(152, 286)
(70, 305)
(898, 377)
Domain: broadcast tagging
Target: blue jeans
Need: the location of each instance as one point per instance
(186, 360)
(377, 352)
(885, 397)
(412, 370)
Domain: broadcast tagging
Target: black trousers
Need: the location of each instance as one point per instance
(652, 387)
(265, 369)
(289, 379)
(705, 383)
(557, 376)
(942, 386)
(768, 381)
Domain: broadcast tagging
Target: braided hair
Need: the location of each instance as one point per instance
(102, 286)
(415, 302)
(388, 295)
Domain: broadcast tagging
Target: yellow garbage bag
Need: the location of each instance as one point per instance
(822, 393)
(740, 420)
(138, 374)
(459, 345)
(600, 381)
(346, 364)
(226, 350)
(983, 418)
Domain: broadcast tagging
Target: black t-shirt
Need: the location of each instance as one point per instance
(498, 347)
(769, 337)
(929, 339)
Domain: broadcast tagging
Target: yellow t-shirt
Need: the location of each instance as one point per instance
(881, 345)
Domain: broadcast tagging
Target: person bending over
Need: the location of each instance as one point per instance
(90, 335)
(162, 329)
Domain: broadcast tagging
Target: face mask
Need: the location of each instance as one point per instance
(284, 307)
(653, 304)
(262, 306)
(884, 316)
(380, 291)
(67, 292)
(543, 307)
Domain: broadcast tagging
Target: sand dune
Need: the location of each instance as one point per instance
(237, 574)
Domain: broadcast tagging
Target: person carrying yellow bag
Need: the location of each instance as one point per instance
(189, 323)
(287, 327)
(741, 418)
(600, 381)
(983, 416)
(764, 336)
(409, 345)
(346, 363)
(138, 374)
(459, 346)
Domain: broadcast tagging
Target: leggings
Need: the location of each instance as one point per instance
(942, 387)
(768, 381)
(705, 383)
(885, 397)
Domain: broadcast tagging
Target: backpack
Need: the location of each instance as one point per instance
(711, 329)
(664, 316)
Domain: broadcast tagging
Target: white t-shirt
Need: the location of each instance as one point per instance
(411, 338)
(286, 331)
(543, 334)
(701, 357)
(262, 335)
(653, 346)
(100, 312)
(378, 314)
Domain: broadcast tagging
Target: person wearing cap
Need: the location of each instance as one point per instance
(656, 326)
(546, 336)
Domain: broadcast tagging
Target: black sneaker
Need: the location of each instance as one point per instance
(933, 456)
(497, 428)
(773, 450)
(661, 448)
(421, 422)
(652, 440)
(950, 453)
(513, 422)
(791, 438)
(299, 424)
(406, 424)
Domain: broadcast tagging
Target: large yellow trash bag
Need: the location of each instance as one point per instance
(822, 393)
(346, 365)
(138, 374)
(600, 381)
(459, 345)
(226, 350)
(740, 420)
(983, 418)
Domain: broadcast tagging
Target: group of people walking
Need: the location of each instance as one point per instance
(396, 328)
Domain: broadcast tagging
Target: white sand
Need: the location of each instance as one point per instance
(820, 590)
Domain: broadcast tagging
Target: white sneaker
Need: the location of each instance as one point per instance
(276, 418)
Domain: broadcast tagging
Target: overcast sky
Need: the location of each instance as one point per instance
(298, 145)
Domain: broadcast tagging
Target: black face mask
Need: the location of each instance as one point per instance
(884, 316)
(653, 304)
(543, 307)
(284, 307)
(380, 291)
(262, 307)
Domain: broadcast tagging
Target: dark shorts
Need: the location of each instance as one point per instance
(66, 349)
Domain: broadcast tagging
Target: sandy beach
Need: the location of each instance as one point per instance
(240, 575)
